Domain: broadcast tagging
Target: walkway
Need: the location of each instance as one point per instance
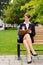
(12, 60)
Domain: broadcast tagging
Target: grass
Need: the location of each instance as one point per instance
(8, 43)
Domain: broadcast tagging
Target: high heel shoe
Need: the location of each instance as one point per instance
(29, 61)
(33, 54)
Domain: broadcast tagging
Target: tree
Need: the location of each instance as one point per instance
(13, 13)
(35, 9)
(3, 4)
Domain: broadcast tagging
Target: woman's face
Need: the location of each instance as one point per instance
(26, 18)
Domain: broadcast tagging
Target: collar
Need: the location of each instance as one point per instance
(28, 23)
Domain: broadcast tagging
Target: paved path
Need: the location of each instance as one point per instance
(12, 60)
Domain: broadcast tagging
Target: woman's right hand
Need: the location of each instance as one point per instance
(29, 31)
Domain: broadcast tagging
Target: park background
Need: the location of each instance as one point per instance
(11, 15)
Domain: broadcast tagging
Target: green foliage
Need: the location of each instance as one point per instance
(3, 4)
(13, 13)
(35, 9)
(8, 15)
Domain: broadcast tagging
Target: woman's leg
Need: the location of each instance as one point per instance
(27, 49)
(28, 40)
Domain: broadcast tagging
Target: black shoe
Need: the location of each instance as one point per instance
(29, 62)
(33, 54)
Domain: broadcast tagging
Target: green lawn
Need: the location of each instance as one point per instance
(8, 43)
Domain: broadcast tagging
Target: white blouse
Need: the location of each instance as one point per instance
(27, 25)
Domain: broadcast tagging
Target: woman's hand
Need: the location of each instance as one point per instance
(22, 32)
(29, 31)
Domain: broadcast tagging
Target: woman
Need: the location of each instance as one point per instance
(27, 38)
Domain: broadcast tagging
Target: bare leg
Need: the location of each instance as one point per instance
(28, 39)
(27, 49)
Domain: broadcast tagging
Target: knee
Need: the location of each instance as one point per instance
(27, 36)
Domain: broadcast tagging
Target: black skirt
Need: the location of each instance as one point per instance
(20, 40)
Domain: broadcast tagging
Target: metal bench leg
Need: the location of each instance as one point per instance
(18, 51)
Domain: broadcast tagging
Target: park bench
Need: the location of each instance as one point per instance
(38, 40)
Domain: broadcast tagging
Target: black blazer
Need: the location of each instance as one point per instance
(31, 27)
